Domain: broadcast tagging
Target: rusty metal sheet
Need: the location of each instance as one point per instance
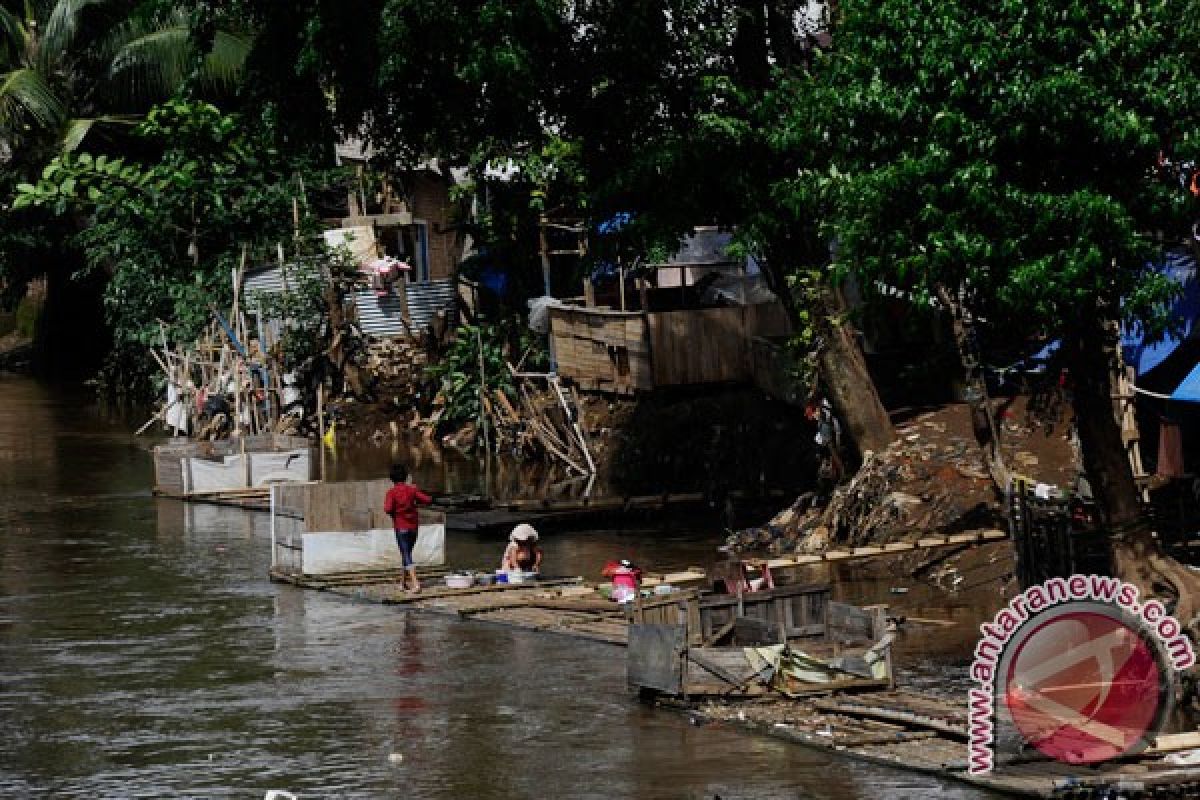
(655, 659)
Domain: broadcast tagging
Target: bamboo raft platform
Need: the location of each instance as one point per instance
(563, 605)
(921, 733)
(481, 516)
(502, 515)
(253, 499)
(898, 728)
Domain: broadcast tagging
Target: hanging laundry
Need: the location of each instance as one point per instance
(383, 274)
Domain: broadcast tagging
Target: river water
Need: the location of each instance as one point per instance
(144, 653)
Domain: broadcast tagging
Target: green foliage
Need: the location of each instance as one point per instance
(460, 376)
(1006, 150)
(29, 311)
(169, 230)
(68, 66)
(303, 310)
(481, 85)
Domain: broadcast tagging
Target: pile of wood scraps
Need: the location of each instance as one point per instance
(546, 417)
(226, 383)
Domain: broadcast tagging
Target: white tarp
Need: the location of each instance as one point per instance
(374, 549)
(291, 465)
(206, 475)
(539, 312)
(203, 475)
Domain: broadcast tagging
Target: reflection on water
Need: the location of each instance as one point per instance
(456, 472)
(143, 653)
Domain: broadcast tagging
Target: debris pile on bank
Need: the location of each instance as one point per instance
(224, 384)
(400, 396)
(932, 479)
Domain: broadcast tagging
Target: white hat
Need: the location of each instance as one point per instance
(523, 533)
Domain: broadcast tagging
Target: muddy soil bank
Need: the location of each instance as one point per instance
(932, 480)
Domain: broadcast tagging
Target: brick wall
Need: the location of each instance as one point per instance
(431, 204)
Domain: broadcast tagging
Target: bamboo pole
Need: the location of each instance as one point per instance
(483, 420)
(321, 424)
(573, 422)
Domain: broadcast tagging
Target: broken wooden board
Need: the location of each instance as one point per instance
(893, 548)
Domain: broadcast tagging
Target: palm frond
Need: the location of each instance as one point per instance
(74, 134)
(223, 66)
(62, 25)
(26, 99)
(78, 129)
(14, 37)
(150, 64)
(150, 60)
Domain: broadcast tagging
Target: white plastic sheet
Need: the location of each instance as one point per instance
(539, 312)
(374, 549)
(292, 465)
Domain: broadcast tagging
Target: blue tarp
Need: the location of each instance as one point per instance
(494, 278)
(614, 223)
(1189, 390)
(1180, 267)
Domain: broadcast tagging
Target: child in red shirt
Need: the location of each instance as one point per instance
(401, 505)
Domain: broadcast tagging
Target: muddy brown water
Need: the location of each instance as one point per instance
(144, 653)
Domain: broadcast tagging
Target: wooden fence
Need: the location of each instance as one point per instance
(625, 352)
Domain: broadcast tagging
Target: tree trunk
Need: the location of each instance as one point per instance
(849, 385)
(983, 422)
(340, 359)
(1137, 557)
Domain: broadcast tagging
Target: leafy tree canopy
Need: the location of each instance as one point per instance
(170, 229)
(1008, 150)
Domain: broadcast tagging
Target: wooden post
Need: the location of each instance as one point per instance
(237, 397)
(487, 440)
(621, 283)
(544, 250)
(245, 463)
(641, 284)
(321, 424)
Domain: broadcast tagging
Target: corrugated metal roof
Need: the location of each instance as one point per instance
(271, 280)
(383, 316)
(268, 280)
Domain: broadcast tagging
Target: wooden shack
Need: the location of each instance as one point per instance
(196, 470)
(694, 643)
(328, 528)
(628, 351)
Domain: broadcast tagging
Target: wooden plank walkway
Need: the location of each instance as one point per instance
(965, 539)
(502, 515)
(481, 516)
